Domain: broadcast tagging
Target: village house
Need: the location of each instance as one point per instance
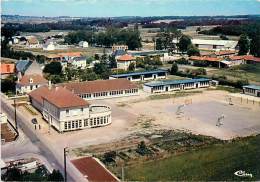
(49, 46)
(32, 42)
(124, 61)
(172, 85)
(7, 69)
(65, 111)
(102, 89)
(119, 47)
(29, 83)
(83, 44)
(141, 76)
(79, 62)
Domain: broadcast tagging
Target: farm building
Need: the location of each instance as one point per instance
(142, 76)
(253, 90)
(172, 85)
(102, 89)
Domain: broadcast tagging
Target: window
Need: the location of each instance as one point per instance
(73, 124)
(67, 111)
(82, 109)
(31, 87)
(69, 124)
(85, 122)
(76, 124)
(91, 122)
(65, 125)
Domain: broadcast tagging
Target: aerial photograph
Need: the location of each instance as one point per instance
(130, 90)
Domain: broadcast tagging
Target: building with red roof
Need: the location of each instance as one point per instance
(7, 69)
(124, 61)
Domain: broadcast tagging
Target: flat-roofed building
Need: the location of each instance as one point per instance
(253, 90)
(102, 89)
(174, 85)
(119, 47)
(142, 76)
(65, 111)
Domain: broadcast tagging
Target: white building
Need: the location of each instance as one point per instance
(49, 46)
(66, 111)
(216, 45)
(124, 61)
(83, 44)
(253, 90)
(172, 85)
(3, 117)
(32, 42)
(29, 83)
(119, 47)
(141, 76)
(79, 62)
(102, 89)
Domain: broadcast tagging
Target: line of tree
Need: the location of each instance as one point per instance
(106, 39)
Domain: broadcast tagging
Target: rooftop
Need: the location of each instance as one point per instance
(93, 170)
(225, 43)
(205, 58)
(7, 68)
(256, 87)
(23, 65)
(125, 57)
(99, 86)
(138, 73)
(174, 82)
(58, 96)
(69, 54)
(36, 79)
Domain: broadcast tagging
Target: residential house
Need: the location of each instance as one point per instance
(32, 42)
(79, 62)
(83, 44)
(7, 69)
(124, 61)
(119, 47)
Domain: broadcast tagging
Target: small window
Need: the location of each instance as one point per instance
(81, 109)
(67, 111)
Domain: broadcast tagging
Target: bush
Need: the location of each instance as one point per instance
(53, 68)
(182, 61)
(174, 69)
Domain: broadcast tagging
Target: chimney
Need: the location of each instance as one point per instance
(49, 85)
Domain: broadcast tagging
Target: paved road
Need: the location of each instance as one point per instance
(53, 155)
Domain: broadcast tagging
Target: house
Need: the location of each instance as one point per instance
(253, 90)
(206, 61)
(173, 85)
(22, 66)
(32, 42)
(79, 62)
(142, 76)
(216, 45)
(65, 111)
(124, 61)
(83, 44)
(7, 69)
(102, 89)
(29, 83)
(49, 46)
(118, 53)
(119, 47)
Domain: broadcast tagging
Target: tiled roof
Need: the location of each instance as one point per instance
(33, 40)
(36, 79)
(58, 96)
(7, 68)
(99, 86)
(245, 57)
(226, 52)
(205, 58)
(125, 57)
(93, 170)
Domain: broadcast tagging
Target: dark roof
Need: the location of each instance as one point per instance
(119, 53)
(92, 170)
(255, 87)
(147, 53)
(138, 73)
(23, 65)
(79, 58)
(175, 82)
(99, 86)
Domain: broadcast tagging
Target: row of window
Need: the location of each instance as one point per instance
(86, 122)
(104, 94)
(249, 90)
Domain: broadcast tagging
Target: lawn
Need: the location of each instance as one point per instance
(247, 71)
(173, 95)
(217, 162)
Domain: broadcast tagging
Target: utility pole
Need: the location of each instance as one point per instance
(65, 164)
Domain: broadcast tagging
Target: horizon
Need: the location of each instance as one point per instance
(130, 8)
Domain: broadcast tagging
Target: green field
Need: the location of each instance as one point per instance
(217, 162)
(246, 71)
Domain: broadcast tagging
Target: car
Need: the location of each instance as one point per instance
(34, 121)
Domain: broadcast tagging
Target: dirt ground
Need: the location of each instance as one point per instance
(132, 115)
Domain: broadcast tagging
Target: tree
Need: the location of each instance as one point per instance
(8, 84)
(40, 59)
(101, 69)
(184, 42)
(244, 44)
(12, 174)
(159, 45)
(112, 62)
(193, 51)
(198, 29)
(255, 45)
(174, 68)
(55, 176)
(131, 67)
(53, 68)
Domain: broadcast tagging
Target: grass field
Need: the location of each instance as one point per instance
(247, 71)
(217, 162)
(174, 95)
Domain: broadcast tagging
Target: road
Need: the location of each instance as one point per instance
(39, 145)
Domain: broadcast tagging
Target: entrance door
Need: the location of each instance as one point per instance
(182, 87)
(197, 85)
(154, 76)
(166, 89)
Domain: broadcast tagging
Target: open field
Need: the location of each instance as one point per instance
(217, 162)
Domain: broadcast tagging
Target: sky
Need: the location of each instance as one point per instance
(111, 8)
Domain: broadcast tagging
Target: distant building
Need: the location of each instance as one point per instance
(29, 83)
(32, 42)
(7, 69)
(66, 111)
(119, 47)
(172, 85)
(83, 44)
(124, 61)
(79, 62)
(253, 90)
(212, 44)
(142, 76)
(119, 53)
(49, 46)
(102, 89)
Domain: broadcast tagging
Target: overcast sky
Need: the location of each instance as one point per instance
(109, 8)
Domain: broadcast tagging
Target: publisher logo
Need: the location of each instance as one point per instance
(241, 173)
